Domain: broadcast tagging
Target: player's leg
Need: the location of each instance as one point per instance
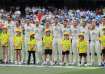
(19, 56)
(74, 50)
(29, 57)
(34, 58)
(88, 53)
(5, 54)
(92, 45)
(6, 50)
(11, 51)
(39, 58)
(55, 50)
(25, 49)
(85, 58)
(98, 52)
(16, 52)
(59, 51)
(51, 57)
(45, 56)
(63, 57)
(103, 57)
(80, 59)
(67, 57)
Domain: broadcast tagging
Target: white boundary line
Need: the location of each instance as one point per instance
(37, 66)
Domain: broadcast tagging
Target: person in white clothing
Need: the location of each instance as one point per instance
(39, 30)
(57, 34)
(94, 43)
(75, 30)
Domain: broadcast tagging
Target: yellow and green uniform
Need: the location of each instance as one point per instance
(82, 46)
(4, 39)
(102, 39)
(18, 40)
(31, 45)
(66, 44)
(47, 42)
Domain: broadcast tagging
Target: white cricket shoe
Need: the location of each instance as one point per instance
(20, 63)
(79, 64)
(16, 62)
(62, 63)
(51, 63)
(44, 63)
(86, 65)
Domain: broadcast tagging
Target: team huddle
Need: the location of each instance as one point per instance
(68, 43)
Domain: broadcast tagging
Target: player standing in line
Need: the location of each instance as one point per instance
(94, 43)
(32, 48)
(39, 31)
(11, 25)
(47, 45)
(82, 49)
(4, 40)
(18, 42)
(27, 30)
(65, 27)
(57, 34)
(75, 30)
(66, 45)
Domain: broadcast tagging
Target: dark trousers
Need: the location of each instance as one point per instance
(29, 57)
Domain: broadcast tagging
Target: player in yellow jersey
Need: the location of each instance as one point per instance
(32, 48)
(4, 43)
(82, 49)
(18, 40)
(102, 40)
(66, 45)
(47, 44)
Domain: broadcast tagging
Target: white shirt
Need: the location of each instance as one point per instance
(39, 32)
(75, 32)
(94, 34)
(57, 31)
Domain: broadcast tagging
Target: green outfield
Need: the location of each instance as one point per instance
(50, 70)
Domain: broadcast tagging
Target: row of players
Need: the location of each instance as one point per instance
(54, 43)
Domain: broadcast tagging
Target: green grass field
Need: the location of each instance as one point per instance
(50, 70)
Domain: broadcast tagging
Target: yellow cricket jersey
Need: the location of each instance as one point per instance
(66, 44)
(82, 46)
(31, 45)
(47, 42)
(4, 39)
(18, 40)
(102, 39)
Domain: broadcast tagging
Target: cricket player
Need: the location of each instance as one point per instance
(57, 34)
(75, 30)
(94, 43)
(11, 25)
(27, 30)
(39, 31)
